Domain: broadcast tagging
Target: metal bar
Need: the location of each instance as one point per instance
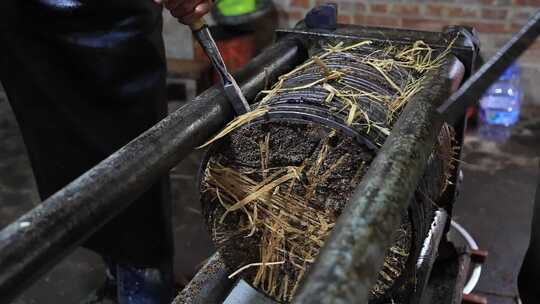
(42, 237)
(464, 267)
(462, 47)
(430, 248)
(209, 286)
(349, 262)
(436, 40)
(243, 293)
(428, 254)
(477, 84)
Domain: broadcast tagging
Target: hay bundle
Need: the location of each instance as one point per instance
(273, 186)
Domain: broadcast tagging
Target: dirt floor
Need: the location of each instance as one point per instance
(495, 206)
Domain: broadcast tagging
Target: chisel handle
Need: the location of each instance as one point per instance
(197, 25)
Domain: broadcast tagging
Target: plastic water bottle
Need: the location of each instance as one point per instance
(501, 104)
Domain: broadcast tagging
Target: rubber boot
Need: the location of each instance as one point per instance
(144, 285)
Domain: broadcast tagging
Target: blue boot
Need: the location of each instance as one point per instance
(144, 285)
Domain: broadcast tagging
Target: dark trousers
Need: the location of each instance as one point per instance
(85, 77)
(529, 276)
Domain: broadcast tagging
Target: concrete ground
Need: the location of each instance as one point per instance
(495, 206)
(496, 203)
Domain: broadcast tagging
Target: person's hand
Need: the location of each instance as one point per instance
(187, 11)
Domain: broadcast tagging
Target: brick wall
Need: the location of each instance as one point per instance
(490, 16)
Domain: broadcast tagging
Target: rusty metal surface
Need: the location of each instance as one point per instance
(464, 264)
(356, 32)
(42, 237)
(428, 253)
(243, 293)
(448, 278)
(209, 286)
(354, 253)
(463, 47)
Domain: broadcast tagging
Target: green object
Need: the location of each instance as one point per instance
(232, 8)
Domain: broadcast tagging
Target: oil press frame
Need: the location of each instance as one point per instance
(203, 288)
(42, 237)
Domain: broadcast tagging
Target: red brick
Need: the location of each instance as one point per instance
(496, 2)
(522, 15)
(435, 10)
(406, 9)
(359, 8)
(378, 8)
(346, 7)
(424, 24)
(527, 2)
(344, 19)
(351, 8)
(516, 26)
(359, 20)
(462, 11)
(300, 3)
(490, 13)
(489, 27)
(381, 21)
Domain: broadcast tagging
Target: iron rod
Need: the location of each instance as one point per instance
(428, 254)
(38, 240)
(454, 108)
(209, 286)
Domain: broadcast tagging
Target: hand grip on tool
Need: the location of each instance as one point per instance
(197, 25)
(230, 87)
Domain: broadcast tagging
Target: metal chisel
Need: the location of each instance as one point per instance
(232, 90)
